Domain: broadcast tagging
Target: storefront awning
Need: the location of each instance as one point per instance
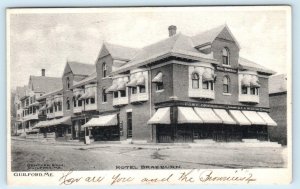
(207, 115)
(108, 120)
(254, 118)
(161, 116)
(266, 117)
(224, 116)
(188, 115)
(43, 108)
(84, 96)
(239, 117)
(61, 121)
(158, 78)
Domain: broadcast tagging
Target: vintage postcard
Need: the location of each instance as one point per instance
(149, 95)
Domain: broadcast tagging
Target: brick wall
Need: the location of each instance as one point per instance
(278, 112)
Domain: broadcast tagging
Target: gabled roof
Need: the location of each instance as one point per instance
(209, 36)
(79, 68)
(90, 78)
(250, 65)
(119, 52)
(178, 45)
(278, 84)
(21, 91)
(50, 93)
(44, 84)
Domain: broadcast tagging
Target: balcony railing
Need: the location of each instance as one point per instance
(50, 115)
(202, 93)
(77, 109)
(58, 114)
(89, 107)
(139, 97)
(247, 98)
(120, 101)
(31, 117)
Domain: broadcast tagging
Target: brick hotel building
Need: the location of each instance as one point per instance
(180, 89)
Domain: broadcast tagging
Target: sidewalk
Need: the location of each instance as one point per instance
(126, 144)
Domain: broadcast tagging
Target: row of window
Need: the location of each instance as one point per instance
(79, 103)
(30, 110)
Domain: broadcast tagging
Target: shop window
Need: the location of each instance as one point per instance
(68, 104)
(195, 81)
(133, 90)
(159, 86)
(92, 100)
(225, 55)
(116, 94)
(74, 102)
(226, 82)
(244, 90)
(142, 89)
(104, 70)
(104, 96)
(123, 93)
(205, 85)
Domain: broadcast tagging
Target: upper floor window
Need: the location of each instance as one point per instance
(104, 70)
(92, 100)
(133, 90)
(226, 82)
(116, 94)
(68, 82)
(225, 56)
(244, 90)
(142, 89)
(74, 102)
(158, 79)
(195, 81)
(104, 96)
(68, 104)
(205, 85)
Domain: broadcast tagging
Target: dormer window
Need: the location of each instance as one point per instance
(104, 69)
(225, 56)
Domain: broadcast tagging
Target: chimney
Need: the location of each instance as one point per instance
(172, 30)
(43, 72)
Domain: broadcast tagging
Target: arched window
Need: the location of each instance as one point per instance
(225, 55)
(226, 82)
(104, 69)
(68, 104)
(68, 82)
(195, 81)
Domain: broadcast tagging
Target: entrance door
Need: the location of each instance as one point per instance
(165, 133)
(129, 124)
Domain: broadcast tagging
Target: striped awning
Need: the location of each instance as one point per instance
(121, 86)
(188, 115)
(140, 81)
(254, 83)
(158, 78)
(112, 88)
(254, 118)
(239, 117)
(107, 120)
(61, 121)
(161, 116)
(266, 117)
(206, 76)
(207, 115)
(132, 83)
(246, 82)
(224, 116)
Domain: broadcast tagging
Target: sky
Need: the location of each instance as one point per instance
(51, 37)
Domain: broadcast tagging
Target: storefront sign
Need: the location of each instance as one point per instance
(225, 69)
